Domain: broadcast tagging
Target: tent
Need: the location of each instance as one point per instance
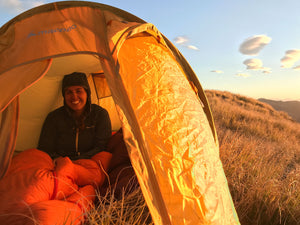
(148, 88)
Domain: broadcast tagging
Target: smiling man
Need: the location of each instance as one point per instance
(78, 129)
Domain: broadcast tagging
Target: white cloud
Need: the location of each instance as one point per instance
(245, 75)
(291, 56)
(296, 68)
(253, 64)
(18, 6)
(192, 47)
(36, 3)
(217, 71)
(11, 4)
(183, 41)
(256, 64)
(267, 71)
(254, 44)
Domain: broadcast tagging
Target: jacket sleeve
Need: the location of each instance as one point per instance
(48, 136)
(102, 134)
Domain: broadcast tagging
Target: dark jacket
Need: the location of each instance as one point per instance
(61, 137)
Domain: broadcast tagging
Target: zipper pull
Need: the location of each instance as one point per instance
(76, 142)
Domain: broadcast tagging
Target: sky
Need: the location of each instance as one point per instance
(247, 47)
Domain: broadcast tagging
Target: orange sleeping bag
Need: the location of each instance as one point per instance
(38, 190)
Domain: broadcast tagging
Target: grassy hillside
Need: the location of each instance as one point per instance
(291, 107)
(260, 151)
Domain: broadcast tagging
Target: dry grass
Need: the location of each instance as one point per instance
(260, 151)
(126, 209)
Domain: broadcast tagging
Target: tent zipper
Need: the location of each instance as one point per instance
(76, 142)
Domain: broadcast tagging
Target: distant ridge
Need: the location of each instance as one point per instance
(290, 107)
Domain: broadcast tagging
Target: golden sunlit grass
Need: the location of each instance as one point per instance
(130, 209)
(260, 151)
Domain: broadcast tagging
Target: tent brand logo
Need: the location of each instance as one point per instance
(52, 31)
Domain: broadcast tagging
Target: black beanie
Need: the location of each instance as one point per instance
(77, 79)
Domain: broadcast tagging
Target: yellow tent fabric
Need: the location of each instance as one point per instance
(145, 84)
